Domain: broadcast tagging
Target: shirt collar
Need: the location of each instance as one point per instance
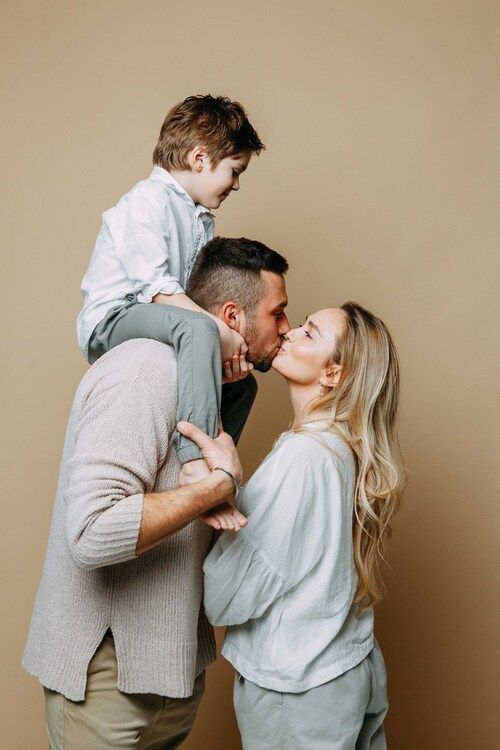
(161, 174)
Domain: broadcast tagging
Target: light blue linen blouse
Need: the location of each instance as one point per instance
(285, 583)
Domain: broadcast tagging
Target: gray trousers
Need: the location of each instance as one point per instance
(346, 713)
(195, 340)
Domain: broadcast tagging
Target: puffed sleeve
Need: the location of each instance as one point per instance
(285, 536)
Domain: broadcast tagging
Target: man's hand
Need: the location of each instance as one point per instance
(218, 453)
(193, 471)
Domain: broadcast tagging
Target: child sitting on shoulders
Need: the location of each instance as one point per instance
(144, 253)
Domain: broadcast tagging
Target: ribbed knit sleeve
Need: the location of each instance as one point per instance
(121, 439)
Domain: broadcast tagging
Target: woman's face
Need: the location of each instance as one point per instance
(306, 353)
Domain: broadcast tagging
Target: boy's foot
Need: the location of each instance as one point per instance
(224, 518)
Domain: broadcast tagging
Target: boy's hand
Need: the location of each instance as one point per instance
(231, 342)
(237, 369)
(224, 517)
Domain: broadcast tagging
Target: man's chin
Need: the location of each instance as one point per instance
(263, 365)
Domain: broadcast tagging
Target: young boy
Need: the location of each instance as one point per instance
(144, 253)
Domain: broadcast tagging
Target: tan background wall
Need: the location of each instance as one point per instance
(380, 183)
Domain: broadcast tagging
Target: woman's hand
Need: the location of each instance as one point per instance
(219, 452)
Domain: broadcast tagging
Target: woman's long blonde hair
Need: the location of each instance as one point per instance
(361, 410)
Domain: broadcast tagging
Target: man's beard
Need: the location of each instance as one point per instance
(261, 361)
(264, 364)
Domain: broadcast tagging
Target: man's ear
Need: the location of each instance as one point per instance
(198, 158)
(232, 315)
(331, 376)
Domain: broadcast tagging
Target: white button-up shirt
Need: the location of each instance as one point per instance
(147, 244)
(285, 583)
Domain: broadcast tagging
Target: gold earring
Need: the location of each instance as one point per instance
(324, 388)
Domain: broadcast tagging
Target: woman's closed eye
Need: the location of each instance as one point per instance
(305, 330)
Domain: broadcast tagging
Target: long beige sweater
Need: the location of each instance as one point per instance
(118, 446)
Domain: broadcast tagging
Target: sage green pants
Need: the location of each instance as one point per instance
(195, 340)
(108, 718)
(346, 713)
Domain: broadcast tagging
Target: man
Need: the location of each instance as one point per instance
(118, 638)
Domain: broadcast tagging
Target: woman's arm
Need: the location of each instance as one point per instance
(284, 537)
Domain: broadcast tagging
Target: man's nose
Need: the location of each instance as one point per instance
(284, 326)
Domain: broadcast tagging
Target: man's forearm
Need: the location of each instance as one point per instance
(165, 513)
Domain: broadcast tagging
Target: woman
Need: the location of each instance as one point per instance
(297, 584)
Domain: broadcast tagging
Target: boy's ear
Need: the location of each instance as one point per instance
(198, 158)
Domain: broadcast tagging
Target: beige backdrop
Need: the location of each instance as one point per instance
(380, 183)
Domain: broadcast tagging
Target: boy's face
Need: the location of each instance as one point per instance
(214, 185)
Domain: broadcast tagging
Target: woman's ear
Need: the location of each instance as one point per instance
(331, 376)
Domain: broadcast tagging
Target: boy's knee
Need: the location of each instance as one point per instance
(205, 326)
(198, 327)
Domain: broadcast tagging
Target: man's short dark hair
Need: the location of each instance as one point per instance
(229, 268)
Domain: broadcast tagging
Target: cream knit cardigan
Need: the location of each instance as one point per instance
(118, 446)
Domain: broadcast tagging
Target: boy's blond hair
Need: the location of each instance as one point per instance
(217, 123)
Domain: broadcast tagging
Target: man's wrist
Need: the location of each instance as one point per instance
(236, 486)
(221, 488)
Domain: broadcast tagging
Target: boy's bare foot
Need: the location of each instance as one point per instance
(224, 518)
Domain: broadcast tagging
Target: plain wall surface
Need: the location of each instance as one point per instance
(380, 184)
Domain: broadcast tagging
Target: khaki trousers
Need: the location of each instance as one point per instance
(108, 718)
